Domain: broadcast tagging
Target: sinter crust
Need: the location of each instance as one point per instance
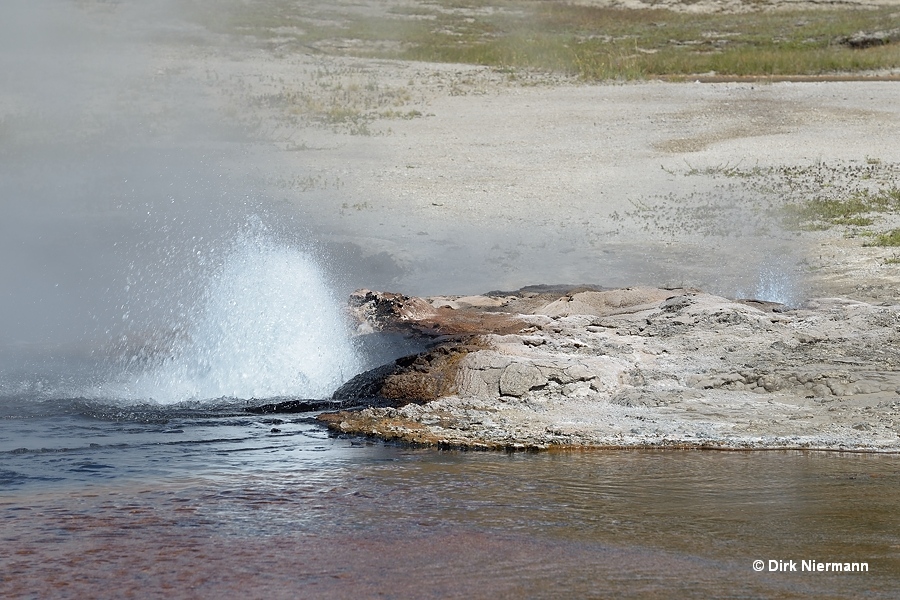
(635, 367)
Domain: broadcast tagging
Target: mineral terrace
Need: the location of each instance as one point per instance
(549, 367)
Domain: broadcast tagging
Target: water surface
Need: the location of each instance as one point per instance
(201, 502)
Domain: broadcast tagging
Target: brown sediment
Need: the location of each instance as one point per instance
(472, 322)
(429, 375)
(385, 311)
(415, 379)
(392, 429)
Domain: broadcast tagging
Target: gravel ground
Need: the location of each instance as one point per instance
(463, 179)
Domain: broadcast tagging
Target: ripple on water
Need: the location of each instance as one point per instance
(227, 507)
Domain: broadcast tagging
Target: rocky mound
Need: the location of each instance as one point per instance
(551, 367)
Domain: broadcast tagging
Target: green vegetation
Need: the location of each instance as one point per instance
(588, 42)
(820, 196)
(605, 43)
(343, 98)
(856, 209)
(890, 239)
(860, 199)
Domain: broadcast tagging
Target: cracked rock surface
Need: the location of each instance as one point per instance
(636, 367)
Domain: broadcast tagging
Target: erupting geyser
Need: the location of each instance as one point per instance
(265, 326)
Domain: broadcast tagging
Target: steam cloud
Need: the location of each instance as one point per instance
(118, 185)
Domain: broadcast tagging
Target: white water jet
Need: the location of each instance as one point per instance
(266, 326)
(776, 284)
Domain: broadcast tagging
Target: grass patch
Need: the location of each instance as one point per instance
(855, 209)
(890, 239)
(863, 197)
(585, 41)
(855, 221)
(345, 99)
(608, 43)
(820, 196)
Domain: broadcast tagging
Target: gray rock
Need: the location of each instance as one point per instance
(821, 390)
(580, 372)
(518, 378)
(471, 384)
(676, 303)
